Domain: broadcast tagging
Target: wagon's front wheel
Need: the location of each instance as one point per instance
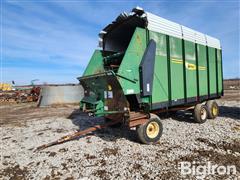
(151, 131)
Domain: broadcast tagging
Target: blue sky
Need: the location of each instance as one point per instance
(53, 40)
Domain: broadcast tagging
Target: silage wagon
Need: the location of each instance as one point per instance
(149, 65)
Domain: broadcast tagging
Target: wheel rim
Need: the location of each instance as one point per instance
(152, 130)
(203, 113)
(215, 110)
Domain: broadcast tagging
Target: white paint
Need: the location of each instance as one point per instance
(161, 25)
(148, 87)
(201, 170)
(110, 94)
(105, 94)
(130, 91)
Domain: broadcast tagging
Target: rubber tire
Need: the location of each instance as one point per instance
(113, 126)
(210, 104)
(141, 131)
(197, 113)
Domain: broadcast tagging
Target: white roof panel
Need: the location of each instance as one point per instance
(213, 42)
(161, 25)
(164, 26)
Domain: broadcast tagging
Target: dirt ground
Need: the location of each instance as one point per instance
(114, 153)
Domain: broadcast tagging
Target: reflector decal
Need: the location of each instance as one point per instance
(188, 65)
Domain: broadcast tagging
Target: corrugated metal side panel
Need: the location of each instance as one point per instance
(213, 42)
(200, 38)
(193, 36)
(161, 25)
(188, 34)
(60, 95)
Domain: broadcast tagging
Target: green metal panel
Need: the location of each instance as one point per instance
(182, 70)
(202, 69)
(197, 65)
(160, 80)
(177, 81)
(212, 71)
(190, 65)
(219, 66)
(129, 67)
(95, 64)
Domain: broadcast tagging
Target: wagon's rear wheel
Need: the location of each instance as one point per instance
(151, 131)
(200, 113)
(212, 109)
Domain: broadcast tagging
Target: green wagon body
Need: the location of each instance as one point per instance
(183, 72)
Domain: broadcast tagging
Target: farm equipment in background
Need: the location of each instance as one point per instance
(5, 87)
(23, 95)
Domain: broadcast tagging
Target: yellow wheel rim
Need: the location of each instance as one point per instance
(214, 110)
(152, 130)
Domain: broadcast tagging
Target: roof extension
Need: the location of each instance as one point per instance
(158, 24)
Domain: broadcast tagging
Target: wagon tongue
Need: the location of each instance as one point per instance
(102, 94)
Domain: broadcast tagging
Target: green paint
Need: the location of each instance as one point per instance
(160, 85)
(191, 71)
(128, 78)
(129, 67)
(177, 82)
(212, 71)
(202, 69)
(219, 66)
(95, 64)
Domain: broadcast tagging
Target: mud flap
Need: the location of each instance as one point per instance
(146, 69)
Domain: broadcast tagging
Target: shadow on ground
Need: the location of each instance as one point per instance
(187, 116)
(83, 121)
(230, 112)
(182, 116)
